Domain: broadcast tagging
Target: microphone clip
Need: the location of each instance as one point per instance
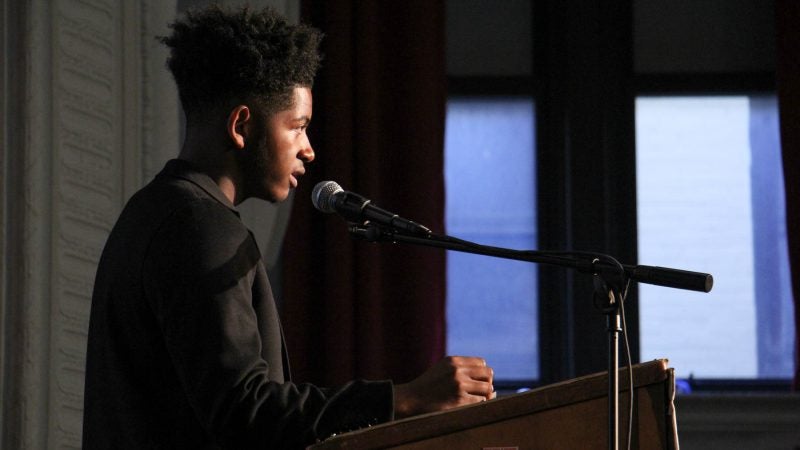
(370, 232)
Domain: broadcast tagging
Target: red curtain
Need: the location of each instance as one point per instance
(788, 80)
(356, 309)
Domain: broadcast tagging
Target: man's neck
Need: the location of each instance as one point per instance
(214, 160)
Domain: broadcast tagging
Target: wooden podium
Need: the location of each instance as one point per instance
(569, 415)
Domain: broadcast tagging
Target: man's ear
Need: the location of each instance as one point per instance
(238, 121)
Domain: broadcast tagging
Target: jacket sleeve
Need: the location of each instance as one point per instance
(197, 279)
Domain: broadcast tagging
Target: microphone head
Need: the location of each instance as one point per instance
(322, 195)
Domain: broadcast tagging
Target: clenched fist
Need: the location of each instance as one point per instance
(453, 381)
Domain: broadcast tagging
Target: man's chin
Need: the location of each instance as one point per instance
(276, 197)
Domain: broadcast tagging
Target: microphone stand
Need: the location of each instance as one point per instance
(609, 277)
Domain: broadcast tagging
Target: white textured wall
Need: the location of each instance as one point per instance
(89, 114)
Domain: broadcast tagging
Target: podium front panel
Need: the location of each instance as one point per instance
(568, 415)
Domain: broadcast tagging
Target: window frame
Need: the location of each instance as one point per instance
(559, 37)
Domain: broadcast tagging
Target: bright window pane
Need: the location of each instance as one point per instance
(490, 180)
(710, 199)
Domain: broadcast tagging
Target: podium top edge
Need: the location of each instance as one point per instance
(560, 394)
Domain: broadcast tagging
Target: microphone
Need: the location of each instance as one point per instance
(329, 197)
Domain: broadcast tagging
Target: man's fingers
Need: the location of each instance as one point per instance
(479, 388)
(472, 366)
(467, 361)
(481, 373)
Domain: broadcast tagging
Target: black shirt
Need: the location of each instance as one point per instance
(185, 348)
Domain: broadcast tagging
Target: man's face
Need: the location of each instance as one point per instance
(274, 161)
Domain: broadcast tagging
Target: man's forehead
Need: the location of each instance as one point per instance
(301, 106)
(302, 97)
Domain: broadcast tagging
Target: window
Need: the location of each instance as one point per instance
(710, 199)
(490, 183)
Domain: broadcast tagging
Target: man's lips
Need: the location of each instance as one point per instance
(295, 177)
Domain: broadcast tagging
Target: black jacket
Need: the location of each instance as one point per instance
(185, 348)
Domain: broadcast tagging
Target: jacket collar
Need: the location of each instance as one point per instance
(182, 169)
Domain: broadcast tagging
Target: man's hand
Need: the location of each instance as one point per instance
(453, 381)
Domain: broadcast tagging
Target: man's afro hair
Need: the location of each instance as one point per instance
(220, 55)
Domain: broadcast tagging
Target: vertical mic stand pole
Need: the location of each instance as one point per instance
(613, 376)
(606, 298)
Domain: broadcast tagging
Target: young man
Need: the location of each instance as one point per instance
(185, 346)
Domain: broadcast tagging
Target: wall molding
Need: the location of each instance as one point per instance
(96, 113)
